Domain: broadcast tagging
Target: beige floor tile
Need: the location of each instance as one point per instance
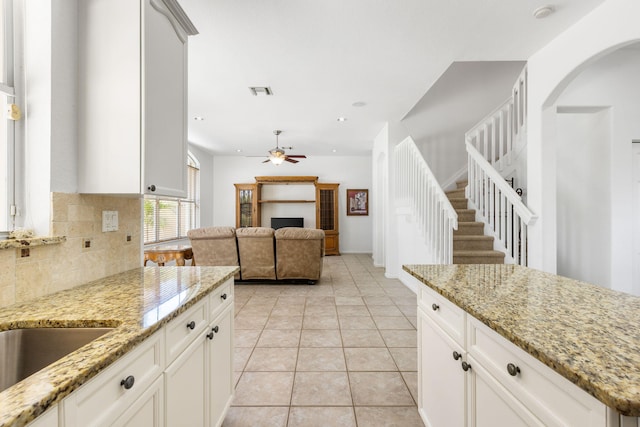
(320, 322)
(236, 378)
(379, 389)
(320, 310)
(264, 389)
(321, 359)
(320, 300)
(356, 322)
(320, 338)
(388, 417)
(384, 310)
(240, 357)
(369, 359)
(246, 337)
(408, 301)
(284, 322)
(378, 300)
(262, 298)
(371, 291)
(267, 416)
(291, 310)
(392, 322)
(255, 310)
(361, 338)
(243, 321)
(287, 300)
(279, 338)
(413, 320)
(411, 379)
(408, 310)
(341, 416)
(405, 358)
(320, 290)
(272, 359)
(353, 310)
(321, 389)
(346, 291)
(402, 338)
(349, 300)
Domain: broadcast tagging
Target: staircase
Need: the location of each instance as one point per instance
(470, 245)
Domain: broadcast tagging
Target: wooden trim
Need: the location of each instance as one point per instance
(286, 179)
(286, 201)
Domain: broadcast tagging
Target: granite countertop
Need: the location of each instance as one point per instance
(136, 303)
(586, 333)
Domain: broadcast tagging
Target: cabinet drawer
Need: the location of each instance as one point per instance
(103, 399)
(182, 330)
(447, 315)
(219, 298)
(550, 397)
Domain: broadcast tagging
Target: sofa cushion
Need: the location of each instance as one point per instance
(257, 254)
(299, 253)
(215, 246)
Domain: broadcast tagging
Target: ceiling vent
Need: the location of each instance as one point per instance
(261, 90)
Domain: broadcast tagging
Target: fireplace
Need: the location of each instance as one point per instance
(286, 222)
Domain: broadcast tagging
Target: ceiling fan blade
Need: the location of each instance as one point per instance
(290, 160)
(266, 161)
(298, 156)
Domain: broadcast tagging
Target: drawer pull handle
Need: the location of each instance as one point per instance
(210, 335)
(513, 369)
(127, 383)
(465, 366)
(215, 329)
(456, 355)
(223, 296)
(191, 325)
(435, 306)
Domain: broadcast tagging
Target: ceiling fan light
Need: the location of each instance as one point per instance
(276, 160)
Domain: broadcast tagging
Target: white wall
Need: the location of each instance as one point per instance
(584, 199)
(612, 81)
(550, 70)
(206, 184)
(348, 171)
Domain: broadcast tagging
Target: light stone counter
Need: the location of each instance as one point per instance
(586, 333)
(137, 303)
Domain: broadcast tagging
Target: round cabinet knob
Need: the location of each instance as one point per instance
(456, 355)
(127, 383)
(151, 187)
(210, 335)
(223, 296)
(435, 306)
(513, 369)
(215, 329)
(465, 366)
(191, 325)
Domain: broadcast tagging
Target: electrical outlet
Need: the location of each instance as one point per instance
(24, 252)
(86, 244)
(128, 237)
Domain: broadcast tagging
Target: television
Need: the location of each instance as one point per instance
(287, 222)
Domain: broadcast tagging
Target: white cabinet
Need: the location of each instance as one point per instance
(48, 419)
(220, 355)
(468, 375)
(132, 97)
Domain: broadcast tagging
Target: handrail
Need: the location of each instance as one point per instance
(435, 215)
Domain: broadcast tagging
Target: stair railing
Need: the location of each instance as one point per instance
(499, 205)
(434, 214)
(501, 133)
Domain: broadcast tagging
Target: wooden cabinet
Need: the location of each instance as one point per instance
(132, 115)
(249, 212)
(247, 207)
(488, 381)
(327, 216)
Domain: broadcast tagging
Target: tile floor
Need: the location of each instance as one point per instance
(339, 353)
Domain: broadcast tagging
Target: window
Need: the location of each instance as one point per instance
(7, 92)
(170, 219)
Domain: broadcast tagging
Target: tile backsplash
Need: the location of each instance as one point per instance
(53, 268)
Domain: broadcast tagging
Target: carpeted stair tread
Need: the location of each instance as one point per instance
(456, 194)
(469, 228)
(478, 257)
(458, 203)
(462, 184)
(466, 215)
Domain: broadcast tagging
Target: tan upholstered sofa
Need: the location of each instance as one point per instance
(263, 254)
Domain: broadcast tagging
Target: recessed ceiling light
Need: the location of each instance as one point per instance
(334, 151)
(239, 150)
(342, 119)
(261, 90)
(359, 104)
(198, 118)
(543, 11)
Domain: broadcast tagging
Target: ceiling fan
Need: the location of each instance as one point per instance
(277, 155)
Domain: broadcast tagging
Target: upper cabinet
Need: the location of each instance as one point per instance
(132, 96)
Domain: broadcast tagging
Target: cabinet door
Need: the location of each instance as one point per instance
(48, 419)
(441, 380)
(247, 206)
(147, 411)
(490, 404)
(186, 387)
(327, 216)
(165, 102)
(221, 366)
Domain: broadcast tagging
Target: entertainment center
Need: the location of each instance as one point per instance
(249, 205)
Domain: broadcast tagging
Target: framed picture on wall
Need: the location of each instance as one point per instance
(357, 202)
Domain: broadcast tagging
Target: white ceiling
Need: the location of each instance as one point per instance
(319, 57)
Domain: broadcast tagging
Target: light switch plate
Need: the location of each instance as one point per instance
(109, 221)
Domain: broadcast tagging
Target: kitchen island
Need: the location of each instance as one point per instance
(139, 304)
(573, 335)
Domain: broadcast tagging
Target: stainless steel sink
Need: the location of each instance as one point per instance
(26, 351)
